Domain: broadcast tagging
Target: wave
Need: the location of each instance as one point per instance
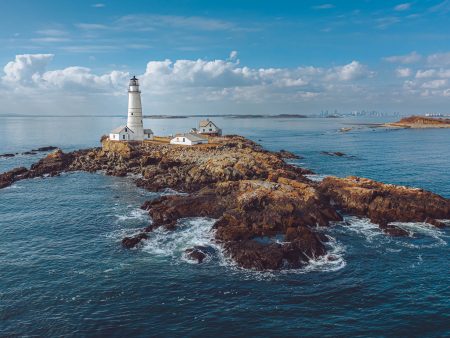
(190, 232)
(421, 235)
(135, 214)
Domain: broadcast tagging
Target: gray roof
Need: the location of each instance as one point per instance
(191, 137)
(204, 123)
(148, 131)
(119, 129)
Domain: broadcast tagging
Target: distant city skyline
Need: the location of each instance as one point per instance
(229, 57)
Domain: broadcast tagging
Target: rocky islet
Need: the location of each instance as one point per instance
(253, 194)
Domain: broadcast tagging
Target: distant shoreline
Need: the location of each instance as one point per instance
(231, 116)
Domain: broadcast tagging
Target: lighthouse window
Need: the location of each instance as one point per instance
(131, 113)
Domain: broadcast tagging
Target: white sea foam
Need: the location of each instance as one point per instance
(363, 227)
(190, 232)
(332, 261)
(421, 235)
(169, 191)
(136, 213)
(433, 236)
(316, 177)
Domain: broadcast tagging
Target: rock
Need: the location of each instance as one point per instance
(336, 153)
(131, 242)
(48, 148)
(435, 222)
(8, 178)
(288, 155)
(7, 155)
(393, 230)
(384, 203)
(29, 153)
(198, 253)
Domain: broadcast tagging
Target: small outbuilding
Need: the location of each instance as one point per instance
(122, 133)
(148, 134)
(188, 139)
(208, 127)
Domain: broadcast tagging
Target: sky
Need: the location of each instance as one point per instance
(224, 57)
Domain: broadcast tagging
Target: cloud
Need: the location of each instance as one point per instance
(385, 22)
(351, 71)
(439, 59)
(49, 39)
(52, 32)
(413, 57)
(25, 67)
(324, 6)
(216, 83)
(145, 22)
(403, 7)
(403, 72)
(433, 73)
(441, 8)
(91, 26)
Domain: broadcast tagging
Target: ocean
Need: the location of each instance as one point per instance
(63, 271)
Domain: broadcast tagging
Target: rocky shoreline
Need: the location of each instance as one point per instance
(255, 196)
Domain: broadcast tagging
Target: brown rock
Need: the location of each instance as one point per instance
(131, 242)
(384, 203)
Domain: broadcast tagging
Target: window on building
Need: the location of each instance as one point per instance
(210, 129)
(126, 130)
(123, 137)
(184, 140)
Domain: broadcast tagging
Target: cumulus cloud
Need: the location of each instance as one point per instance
(403, 72)
(439, 59)
(25, 67)
(30, 71)
(181, 81)
(410, 58)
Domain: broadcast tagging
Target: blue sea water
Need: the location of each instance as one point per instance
(63, 271)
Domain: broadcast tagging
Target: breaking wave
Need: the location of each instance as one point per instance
(134, 214)
(190, 232)
(421, 235)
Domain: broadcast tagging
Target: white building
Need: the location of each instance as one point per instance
(208, 127)
(122, 133)
(134, 130)
(188, 139)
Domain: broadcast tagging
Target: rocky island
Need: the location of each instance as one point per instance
(420, 122)
(267, 212)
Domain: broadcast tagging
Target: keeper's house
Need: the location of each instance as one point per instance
(208, 127)
(188, 139)
(123, 133)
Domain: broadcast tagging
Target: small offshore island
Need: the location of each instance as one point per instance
(254, 195)
(419, 122)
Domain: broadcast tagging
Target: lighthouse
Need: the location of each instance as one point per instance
(134, 129)
(134, 121)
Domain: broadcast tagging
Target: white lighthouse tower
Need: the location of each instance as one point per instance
(134, 130)
(134, 121)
